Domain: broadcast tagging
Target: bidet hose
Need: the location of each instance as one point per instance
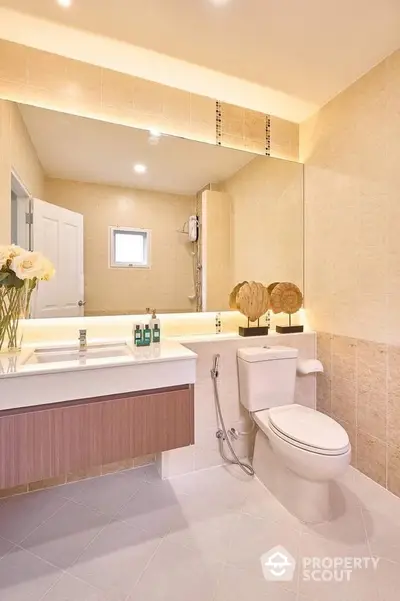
(245, 467)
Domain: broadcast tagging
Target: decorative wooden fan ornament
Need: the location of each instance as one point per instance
(252, 300)
(286, 298)
(233, 295)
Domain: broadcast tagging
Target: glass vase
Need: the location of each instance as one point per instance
(14, 309)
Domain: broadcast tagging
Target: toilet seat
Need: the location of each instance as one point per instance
(305, 428)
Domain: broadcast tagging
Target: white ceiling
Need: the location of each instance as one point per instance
(80, 149)
(309, 49)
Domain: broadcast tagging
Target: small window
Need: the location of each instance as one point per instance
(129, 247)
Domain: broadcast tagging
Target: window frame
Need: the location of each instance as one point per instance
(146, 234)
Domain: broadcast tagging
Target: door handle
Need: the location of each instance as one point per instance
(81, 303)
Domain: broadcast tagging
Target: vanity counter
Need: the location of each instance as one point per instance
(23, 364)
(27, 384)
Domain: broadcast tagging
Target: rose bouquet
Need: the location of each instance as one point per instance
(20, 272)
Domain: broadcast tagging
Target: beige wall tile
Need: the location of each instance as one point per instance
(51, 81)
(230, 141)
(324, 352)
(177, 106)
(232, 121)
(147, 97)
(343, 399)
(372, 388)
(352, 434)
(254, 126)
(393, 426)
(5, 171)
(344, 358)
(393, 483)
(256, 146)
(117, 90)
(46, 70)
(24, 158)
(284, 139)
(202, 109)
(17, 153)
(216, 250)
(257, 221)
(371, 457)
(324, 394)
(14, 66)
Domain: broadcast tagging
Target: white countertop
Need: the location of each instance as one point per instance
(21, 365)
(168, 364)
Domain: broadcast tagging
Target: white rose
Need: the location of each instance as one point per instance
(28, 265)
(48, 270)
(4, 255)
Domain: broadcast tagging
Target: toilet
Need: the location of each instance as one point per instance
(298, 451)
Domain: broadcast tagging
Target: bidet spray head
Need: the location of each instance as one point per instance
(215, 366)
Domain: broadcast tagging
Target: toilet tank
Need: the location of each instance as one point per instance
(267, 376)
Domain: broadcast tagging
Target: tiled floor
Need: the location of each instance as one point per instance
(131, 537)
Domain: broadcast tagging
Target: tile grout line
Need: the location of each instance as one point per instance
(19, 543)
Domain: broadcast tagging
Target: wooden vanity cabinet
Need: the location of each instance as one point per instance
(47, 441)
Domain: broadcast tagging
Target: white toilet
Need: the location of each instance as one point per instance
(298, 450)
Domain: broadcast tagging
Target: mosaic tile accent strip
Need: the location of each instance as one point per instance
(218, 123)
(268, 135)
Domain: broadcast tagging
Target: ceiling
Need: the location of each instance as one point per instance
(309, 49)
(80, 149)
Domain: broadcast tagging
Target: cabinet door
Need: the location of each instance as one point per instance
(81, 440)
(116, 430)
(161, 422)
(13, 452)
(143, 425)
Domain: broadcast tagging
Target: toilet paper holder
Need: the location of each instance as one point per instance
(309, 366)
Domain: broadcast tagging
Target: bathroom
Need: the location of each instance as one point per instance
(112, 481)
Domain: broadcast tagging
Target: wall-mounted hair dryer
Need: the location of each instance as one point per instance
(193, 228)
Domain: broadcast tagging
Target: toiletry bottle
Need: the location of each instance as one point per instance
(154, 321)
(147, 335)
(138, 334)
(218, 323)
(156, 333)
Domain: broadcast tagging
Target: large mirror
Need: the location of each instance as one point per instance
(133, 219)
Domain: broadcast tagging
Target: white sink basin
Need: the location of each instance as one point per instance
(72, 353)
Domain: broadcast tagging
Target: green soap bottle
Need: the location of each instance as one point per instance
(156, 333)
(138, 334)
(147, 335)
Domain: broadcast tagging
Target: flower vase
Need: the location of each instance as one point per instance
(14, 309)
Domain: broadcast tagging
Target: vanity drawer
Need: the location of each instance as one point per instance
(38, 444)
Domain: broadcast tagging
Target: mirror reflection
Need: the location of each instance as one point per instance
(133, 219)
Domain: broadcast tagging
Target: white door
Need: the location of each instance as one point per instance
(58, 234)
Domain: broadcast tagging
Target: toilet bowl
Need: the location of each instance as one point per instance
(298, 450)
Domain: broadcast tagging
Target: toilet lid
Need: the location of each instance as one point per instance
(309, 428)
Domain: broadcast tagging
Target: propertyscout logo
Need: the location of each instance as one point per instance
(279, 565)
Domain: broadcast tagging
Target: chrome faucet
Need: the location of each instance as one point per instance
(82, 340)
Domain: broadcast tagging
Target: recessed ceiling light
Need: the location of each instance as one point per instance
(155, 133)
(64, 3)
(138, 168)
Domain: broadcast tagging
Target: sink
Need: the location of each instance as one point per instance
(72, 353)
